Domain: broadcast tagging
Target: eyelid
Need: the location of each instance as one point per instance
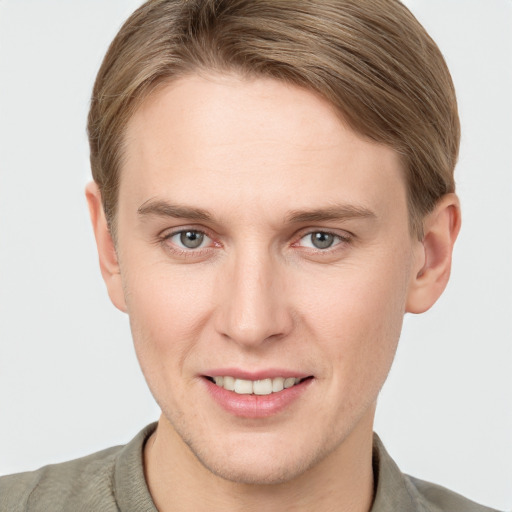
(343, 236)
(165, 235)
(169, 232)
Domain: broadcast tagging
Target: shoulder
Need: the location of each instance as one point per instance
(398, 491)
(80, 484)
(435, 498)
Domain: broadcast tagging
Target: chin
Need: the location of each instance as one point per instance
(255, 470)
(258, 459)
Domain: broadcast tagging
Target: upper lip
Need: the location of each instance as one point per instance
(269, 373)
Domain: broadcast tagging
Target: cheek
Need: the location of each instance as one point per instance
(357, 317)
(168, 307)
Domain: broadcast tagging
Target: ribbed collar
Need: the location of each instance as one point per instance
(130, 488)
(393, 492)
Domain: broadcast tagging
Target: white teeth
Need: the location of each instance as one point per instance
(243, 387)
(262, 387)
(229, 383)
(277, 384)
(256, 387)
(289, 382)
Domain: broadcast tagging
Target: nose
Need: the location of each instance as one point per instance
(252, 304)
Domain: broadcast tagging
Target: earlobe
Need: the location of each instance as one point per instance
(433, 265)
(108, 259)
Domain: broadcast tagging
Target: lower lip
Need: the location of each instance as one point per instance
(256, 406)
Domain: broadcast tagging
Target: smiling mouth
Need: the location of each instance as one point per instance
(256, 387)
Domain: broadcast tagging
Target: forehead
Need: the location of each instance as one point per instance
(220, 140)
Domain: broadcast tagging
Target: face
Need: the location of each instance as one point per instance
(265, 258)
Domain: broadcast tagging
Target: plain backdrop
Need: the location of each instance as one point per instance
(69, 379)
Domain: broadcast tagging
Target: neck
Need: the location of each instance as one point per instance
(342, 481)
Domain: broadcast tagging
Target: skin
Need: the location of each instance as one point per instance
(271, 164)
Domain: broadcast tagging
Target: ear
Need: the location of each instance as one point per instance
(109, 263)
(434, 255)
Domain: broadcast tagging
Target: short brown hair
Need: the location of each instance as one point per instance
(370, 58)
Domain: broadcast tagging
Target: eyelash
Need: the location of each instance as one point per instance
(185, 252)
(341, 241)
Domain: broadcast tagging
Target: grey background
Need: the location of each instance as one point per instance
(69, 380)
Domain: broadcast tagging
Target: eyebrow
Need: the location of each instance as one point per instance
(336, 212)
(163, 208)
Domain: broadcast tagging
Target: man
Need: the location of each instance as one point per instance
(273, 190)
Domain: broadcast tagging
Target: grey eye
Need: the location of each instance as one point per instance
(190, 239)
(321, 240)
